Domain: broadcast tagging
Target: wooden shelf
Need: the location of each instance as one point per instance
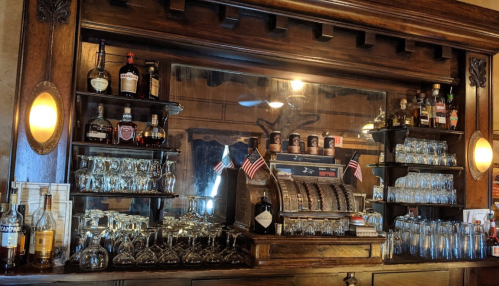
(416, 166)
(419, 130)
(174, 108)
(169, 151)
(122, 195)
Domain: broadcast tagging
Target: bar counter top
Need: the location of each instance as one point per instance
(174, 275)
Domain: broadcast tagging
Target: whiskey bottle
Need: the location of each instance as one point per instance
(45, 236)
(438, 108)
(126, 129)
(10, 225)
(153, 135)
(424, 112)
(150, 82)
(129, 77)
(263, 216)
(34, 219)
(99, 129)
(451, 112)
(417, 109)
(99, 79)
(402, 116)
(24, 237)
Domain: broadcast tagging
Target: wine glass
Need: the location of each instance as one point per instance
(213, 257)
(112, 176)
(169, 257)
(147, 258)
(82, 175)
(154, 176)
(127, 172)
(94, 257)
(97, 175)
(168, 179)
(155, 247)
(79, 242)
(192, 258)
(141, 178)
(125, 250)
(110, 235)
(233, 257)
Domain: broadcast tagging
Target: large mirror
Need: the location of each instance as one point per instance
(222, 109)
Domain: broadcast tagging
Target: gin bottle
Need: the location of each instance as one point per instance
(263, 216)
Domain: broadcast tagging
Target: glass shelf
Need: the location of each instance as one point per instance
(169, 151)
(174, 108)
(121, 195)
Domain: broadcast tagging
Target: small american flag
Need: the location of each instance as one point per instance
(225, 163)
(354, 163)
(253, 163)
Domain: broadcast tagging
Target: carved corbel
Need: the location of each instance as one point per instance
(443, 53)
(323, 32)
(366, 40)
(278, 23)
(406, 47)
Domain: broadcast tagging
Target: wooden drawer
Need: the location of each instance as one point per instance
(426, 278)
(274, 281)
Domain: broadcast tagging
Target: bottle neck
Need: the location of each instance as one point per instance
(101, 61)
(100, 113)
(127, 117)
(13, 202)
(47, 206)
(129, 60)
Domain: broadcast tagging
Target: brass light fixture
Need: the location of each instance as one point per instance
(479, 149)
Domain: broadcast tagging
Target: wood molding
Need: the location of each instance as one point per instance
(366, 40)
(443, 53)
(229, 16)
(177, 6)
(406, 47)
(324, 32)
(278, 24)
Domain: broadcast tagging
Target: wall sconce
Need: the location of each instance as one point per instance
(480, 157)
(44, 118)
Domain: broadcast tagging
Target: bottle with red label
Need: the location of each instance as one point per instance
(129, 77)
(125, 129)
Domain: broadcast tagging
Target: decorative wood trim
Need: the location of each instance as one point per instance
(366, 40)
(406, 47)
(324, 32)
(443, 53)
(177, 6)
(478, 72)
(278, 23)
(229, 16)
(53, 11)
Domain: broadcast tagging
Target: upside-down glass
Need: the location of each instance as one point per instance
(82, 175)
(168, 179)
(94, 257)
(147, 258)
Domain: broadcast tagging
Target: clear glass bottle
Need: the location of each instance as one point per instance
(380, 121)
(98, 78)
(438, 108)
(150, 82)
(126, 129)
(263, 216)
(24, 237)
(10, 226)
(403, 117)
(129, 77)
(45, 236)
(451, 112)
(99, 129)
(153, 135)
(34, 219)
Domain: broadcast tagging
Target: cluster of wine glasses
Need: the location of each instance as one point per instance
(311, 227)
(128, 241)
(124, 175)
(426, 188)
(425, 152)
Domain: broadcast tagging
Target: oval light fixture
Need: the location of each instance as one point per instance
(483, 155)
(44, 118)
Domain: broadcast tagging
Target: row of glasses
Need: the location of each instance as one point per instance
(437, 239)
(124, 175)
(427, 188)
(310, 227)
(424, 152)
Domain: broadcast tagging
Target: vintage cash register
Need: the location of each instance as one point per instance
(303, 187)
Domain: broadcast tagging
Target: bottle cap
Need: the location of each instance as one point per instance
(44, 190)
(127, 110)
(154, 117)
(403, 101)
(130, 54)
(436, 86)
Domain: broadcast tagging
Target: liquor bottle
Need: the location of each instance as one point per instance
(402, 116)
(416, 113)
(45, 236)
(129, 77)
(99, 79)
(380, 121)
(492, 241)
(451, 112)
(438, 108)
(150, 82)
(10, 225)
(126, 129)
(424, 112)
(34, 219)
(99, 129)
(263, 216)
(24, 237)
(153, 135)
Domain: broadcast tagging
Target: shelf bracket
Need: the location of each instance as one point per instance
(324, 32)
(229, 16)
(278, 24)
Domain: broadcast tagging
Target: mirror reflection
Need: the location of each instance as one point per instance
(222, 109)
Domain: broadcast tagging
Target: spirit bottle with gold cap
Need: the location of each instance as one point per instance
(45, 236)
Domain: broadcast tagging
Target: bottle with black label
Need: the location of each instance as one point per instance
(99, 129)
(24, 237)
(129, 77)
(263, 216)
(150, 82)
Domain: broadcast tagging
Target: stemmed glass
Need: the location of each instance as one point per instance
(112, 177)
(155, 247)
(94, 257)
(124, 251)
(97, 176)
(79, 242)
(110, 235)
(233, 257)
(192, 258)
(82, 175)
(141, 179)
(140, 239)
(169, 257)
(191, 213)
(127, 172)
(154, 175)
(213, 257)
(168, 179)
(147, 258)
